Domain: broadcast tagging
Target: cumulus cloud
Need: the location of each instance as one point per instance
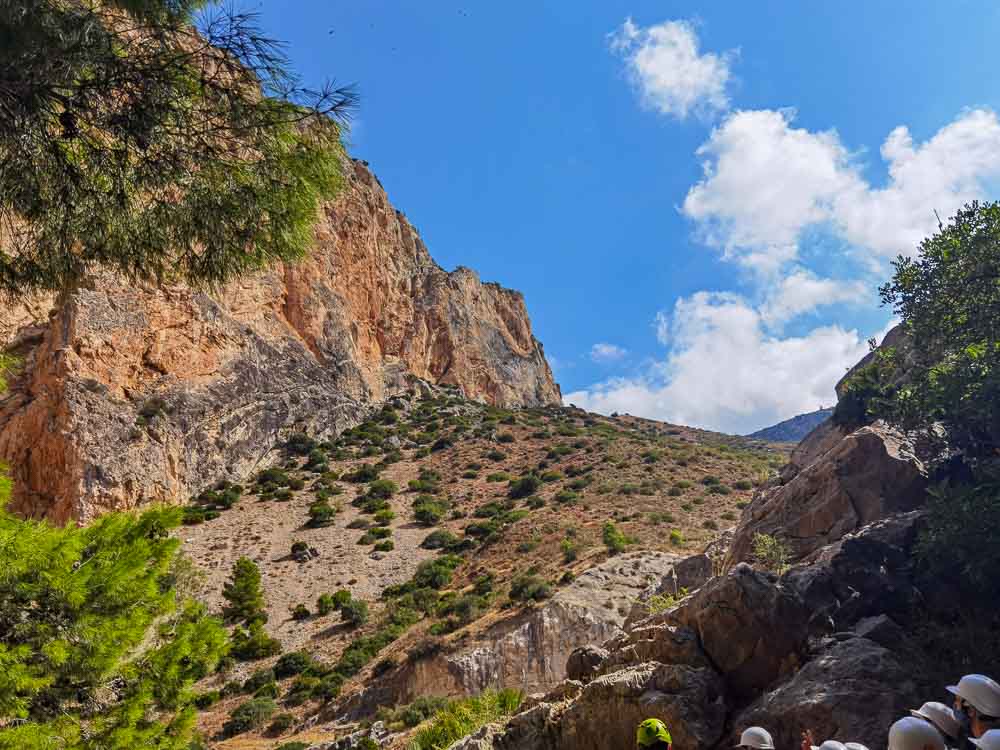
(766, 181)
(604, 353)
(725, 372)
(801, 291)
(670, 73)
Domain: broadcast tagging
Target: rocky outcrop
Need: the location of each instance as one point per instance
(851, 690)
(133, 394)
(864, 476)
(530, 650)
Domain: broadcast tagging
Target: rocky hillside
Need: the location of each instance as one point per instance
(544, 529)
(825, 618)
(795, 429)
(131, 394)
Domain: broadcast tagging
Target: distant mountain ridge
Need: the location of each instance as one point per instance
(794, 429)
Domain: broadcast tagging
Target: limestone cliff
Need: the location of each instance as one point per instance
(135, 394)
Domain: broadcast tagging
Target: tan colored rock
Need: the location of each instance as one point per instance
(310, 346)
(865, 476)
(530, 650)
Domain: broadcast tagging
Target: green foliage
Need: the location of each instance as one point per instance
(959, 540)
(439, 539)
(429, 510)
(139, 141)
(948, 298)
(244, 594)
(354, 612)
(258, 679)
(529, 587)
(613, 537)
(771, 553)
(254, 643)
(301, 612)
(281, 724)
(81, 608)
(524, 487)
(676, 538)
(461, 718)
(662, 602)
(250, 715)
(321, 514)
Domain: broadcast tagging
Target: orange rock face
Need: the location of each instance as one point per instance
(134, 394)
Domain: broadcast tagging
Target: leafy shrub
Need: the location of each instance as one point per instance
(439, 539)
(676, 538)
(565, 496)
(710, 524)
(524, 487)
(569, 549)
(442, 443)
(529, 587)
(257, 680)
(498, 476)
(354, 612)
(207, 699)
(302, 689)
(613, 538)
(505, 437)
(321, 514)
(384, 516)
(267, 690)
(253, 643)
(428, 511)
(299, 547)
(463, 717)
(535, 502)
(250, 715)
(959, 540)
(662, 602)
(495, 455)
(386, 545)
(325, 605)
(364, 473)
(719, 489)
(742, 485)
(770, 553)
(709, 480)
(281, 724)
(291, 664)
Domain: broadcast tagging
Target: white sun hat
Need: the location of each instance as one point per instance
(980, 691)
(756, 737)
(989, 741)
(911, 733)
(830, 745)
(855, 746)
(940, 716)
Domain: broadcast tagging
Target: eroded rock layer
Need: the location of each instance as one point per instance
(132, 394)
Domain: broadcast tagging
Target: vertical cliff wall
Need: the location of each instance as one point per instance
(134, 394)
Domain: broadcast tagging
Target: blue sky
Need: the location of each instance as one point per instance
(698, 200)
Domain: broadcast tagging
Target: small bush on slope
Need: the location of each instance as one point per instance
(463, 717)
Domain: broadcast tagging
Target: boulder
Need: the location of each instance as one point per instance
(867, 573)
(752, 628)
(867, 475)
(606, 714)
(852, 692)
(686, 574)
(656, 641)
(583, 662)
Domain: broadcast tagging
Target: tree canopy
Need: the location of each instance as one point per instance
(163, 139)
(948, 298)
(98, 648)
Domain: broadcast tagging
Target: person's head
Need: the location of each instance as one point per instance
(652, 734)
(941, 716)
(911, 733)
(978, 697)
(830, 745)
(756, 738)
(989, 741)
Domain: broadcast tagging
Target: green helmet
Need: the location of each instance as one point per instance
(650, 732)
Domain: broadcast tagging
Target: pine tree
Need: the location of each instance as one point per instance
(98, 651)
(163, 139)
(244, 594)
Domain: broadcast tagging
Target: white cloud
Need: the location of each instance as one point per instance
(605, 353)
(726, 373)
(765, 182)
(671, 75)
(801, 291)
